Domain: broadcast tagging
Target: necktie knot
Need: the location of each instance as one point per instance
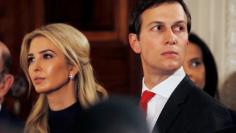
(145, 98)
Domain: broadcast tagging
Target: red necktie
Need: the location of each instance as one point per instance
(146, 96)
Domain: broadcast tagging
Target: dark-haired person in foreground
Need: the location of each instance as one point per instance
(158, 31)
(114, 115)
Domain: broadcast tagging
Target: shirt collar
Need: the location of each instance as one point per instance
(166, 87)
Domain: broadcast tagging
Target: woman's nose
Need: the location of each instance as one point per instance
(36, 65)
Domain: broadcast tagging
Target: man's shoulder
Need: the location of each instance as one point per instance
(194, 96)
(187, 92)
(201, 106)
(5, 114)
(196, 109)
(9, 121)
(191, 92)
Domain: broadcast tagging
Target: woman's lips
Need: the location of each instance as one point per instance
(38, 80)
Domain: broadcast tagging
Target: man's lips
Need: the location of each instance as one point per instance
(169, 53)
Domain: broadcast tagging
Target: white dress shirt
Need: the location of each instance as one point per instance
(163, 91)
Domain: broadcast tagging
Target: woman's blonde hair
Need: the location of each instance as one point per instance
(76, 49)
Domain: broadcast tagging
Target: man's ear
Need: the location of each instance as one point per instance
(6, 84)
(134, 43)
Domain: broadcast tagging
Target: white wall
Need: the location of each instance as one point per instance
(209, 22)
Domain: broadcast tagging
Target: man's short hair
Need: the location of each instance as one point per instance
(7, 62)
(142, 5)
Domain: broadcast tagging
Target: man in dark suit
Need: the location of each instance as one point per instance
(8, 122)
(158, 31)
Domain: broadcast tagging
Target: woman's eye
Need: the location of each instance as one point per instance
(195, 63)
(47, 56)
(30, 60)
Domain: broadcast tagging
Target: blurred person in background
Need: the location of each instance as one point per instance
(228, 92)
(200, 66)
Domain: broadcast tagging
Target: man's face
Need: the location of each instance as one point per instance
(1, 65)
(163, 38)
(4, 80)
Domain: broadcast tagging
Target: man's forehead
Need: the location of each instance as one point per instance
(164, 12)
(1, 60)
(3, 49)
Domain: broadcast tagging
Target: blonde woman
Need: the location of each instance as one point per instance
(55, 60)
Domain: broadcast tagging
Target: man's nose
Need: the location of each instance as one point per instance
(170, 37)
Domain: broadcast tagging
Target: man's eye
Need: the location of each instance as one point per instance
(179, 28)
(157, 28)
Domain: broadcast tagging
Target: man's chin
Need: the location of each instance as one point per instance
(171, 69)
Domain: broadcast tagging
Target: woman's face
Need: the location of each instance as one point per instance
(194, 65)
(48, 68)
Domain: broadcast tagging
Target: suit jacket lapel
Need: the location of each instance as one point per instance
(172, 107)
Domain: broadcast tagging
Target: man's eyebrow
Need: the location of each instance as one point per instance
(156, 22)
(180, 22)
(162, 23)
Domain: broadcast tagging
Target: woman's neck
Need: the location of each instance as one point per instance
(62, 98)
